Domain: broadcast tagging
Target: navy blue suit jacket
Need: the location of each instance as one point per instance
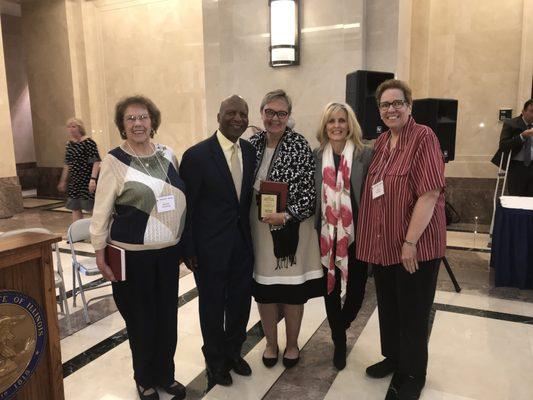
(214, 213)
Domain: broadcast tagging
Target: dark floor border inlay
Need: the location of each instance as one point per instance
(523, 319)
(99, 349)
(78, 253)
(475, 250)
(87, 286)
(200, 385)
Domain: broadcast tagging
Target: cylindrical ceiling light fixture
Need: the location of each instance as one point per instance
(284, 33)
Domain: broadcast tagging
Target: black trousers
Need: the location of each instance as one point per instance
(224, 297)
(404, 305)
(520, 179)
(148, 302)
(340, 316)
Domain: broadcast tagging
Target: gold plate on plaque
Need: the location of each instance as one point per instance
(22, 340)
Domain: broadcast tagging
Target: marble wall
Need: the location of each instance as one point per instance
(236, 36)
(45, 39)
(17, 86)
(470, 51)
(380, 35)
(150, 47)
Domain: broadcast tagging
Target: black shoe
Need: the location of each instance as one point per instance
(411, 388)
(240, 366)
(270, 362)
(290, 362)
(144, 395)
(176, 389)
(394, 387)
(219, 376)
(339, 356)
(381, 369)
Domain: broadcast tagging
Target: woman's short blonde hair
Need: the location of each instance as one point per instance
(354, 130)
(79, 123)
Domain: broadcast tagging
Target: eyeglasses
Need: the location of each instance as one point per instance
(271, 113)
(133, 118)
(396, 104)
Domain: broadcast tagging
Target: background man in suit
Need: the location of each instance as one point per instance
(218, 173)
(517, 137)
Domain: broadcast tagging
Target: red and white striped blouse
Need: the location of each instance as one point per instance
(413, 168)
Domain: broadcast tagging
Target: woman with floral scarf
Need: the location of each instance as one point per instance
(341, 166)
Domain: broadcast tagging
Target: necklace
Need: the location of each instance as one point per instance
(145, 165)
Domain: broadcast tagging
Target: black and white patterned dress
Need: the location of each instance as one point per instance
(80, 157)
(291, 162)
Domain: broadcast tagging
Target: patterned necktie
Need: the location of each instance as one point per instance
(527, 149)
(236, 171)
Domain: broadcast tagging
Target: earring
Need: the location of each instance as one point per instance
(152, 133)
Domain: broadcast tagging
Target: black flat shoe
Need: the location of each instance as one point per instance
(176, 389)
(219, 376)
(270, 362)
(394, 387)
(147, 396)
(339, 356)
(411, 388)
(290, 362)
(381, 369)
(240, 366)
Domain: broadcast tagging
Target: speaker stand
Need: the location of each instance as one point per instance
(450, 273)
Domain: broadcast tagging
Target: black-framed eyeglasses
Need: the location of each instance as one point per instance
(271, 113)
(396, 104)
(133, 118)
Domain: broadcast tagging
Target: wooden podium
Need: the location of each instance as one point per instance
(26, 266)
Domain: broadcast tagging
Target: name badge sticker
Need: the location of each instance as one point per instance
(166, 203)
(378, 190)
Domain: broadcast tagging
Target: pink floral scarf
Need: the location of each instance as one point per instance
(337, 230)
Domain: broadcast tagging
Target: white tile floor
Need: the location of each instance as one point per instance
(471, 357)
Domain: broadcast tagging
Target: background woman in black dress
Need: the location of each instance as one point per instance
(80, 172)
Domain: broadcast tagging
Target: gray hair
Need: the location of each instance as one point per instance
(275, 95)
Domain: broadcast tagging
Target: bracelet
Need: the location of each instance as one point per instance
(93, 178)
(287, 217)
(409, 243)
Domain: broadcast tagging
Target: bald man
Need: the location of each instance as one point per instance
(218, 173)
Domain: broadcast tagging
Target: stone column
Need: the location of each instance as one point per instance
(10, 190)
(50, 81)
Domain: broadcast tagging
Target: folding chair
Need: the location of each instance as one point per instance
(58, 274)
(78, 232)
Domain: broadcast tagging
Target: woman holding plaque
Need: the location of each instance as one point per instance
(140, 207)
(341, 165)
(287, 269)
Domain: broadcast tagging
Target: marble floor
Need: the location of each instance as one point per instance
(481, 343)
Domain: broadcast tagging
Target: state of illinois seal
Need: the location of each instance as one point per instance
(22, 340)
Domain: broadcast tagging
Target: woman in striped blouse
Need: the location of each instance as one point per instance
(402, 232)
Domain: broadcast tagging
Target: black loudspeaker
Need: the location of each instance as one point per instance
(441, 116)
(360, 95)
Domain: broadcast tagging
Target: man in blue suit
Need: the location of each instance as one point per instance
(217, 244)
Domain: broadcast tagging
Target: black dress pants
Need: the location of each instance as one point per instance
(148, 302)
(520, 179)
(224, 297)
(340, 316)
(404, 305)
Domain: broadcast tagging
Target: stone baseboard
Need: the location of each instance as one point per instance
(28, 175)
(10, 197)
(47, 180)
(471, 197)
